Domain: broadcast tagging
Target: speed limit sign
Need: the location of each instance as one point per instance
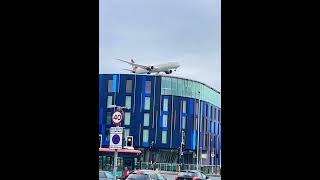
(117, 117)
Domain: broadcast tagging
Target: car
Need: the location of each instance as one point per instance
(161, 177)
(144, 175)
(105, 175)
(191, 175)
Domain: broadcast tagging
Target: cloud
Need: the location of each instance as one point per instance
(154, 32)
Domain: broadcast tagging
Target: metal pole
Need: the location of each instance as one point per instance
(198, 138)
(115, 164)
(200, 126)
(211, 162)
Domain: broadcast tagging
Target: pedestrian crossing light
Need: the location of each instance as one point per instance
(129, 141)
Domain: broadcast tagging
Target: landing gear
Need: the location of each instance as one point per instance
(148, 73)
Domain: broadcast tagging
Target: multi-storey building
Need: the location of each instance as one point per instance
(161, 114)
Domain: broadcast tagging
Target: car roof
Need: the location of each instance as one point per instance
(105, 172)
(190, 171)
(146, 171)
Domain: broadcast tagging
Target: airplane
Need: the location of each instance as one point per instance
(142, 69)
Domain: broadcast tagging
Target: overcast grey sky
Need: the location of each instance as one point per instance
(156, 31)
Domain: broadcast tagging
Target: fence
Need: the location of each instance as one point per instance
(206, 169)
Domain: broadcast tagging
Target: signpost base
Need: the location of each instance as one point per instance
(115, 164)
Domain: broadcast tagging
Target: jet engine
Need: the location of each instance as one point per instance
(168, 72)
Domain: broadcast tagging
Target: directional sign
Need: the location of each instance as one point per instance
(117, 117)
(116, 137)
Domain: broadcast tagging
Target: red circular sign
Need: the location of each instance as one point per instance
(117, 117)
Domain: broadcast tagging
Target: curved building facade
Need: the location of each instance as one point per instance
(162, 114)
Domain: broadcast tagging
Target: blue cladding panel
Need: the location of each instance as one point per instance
(191, 106)
(115, 83)
(212, 127)
(100, 115)
(143, 91)
(194, 140)
(161, 120)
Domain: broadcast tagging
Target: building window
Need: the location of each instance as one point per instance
(165, 104)
(164, 137)
(148, 87)
(214, 127)
(108, 118)
(184, 106)
(126, 133)
(110, 83)
(219, 115)
(129, 86)
(174, 87)
(146, 119)
(180, 88)
(164, 120)
(127, 118)
(183, 122)
(109, 103)
(166, 85)
(145, 135)
(128, 102)
(107, 134)
(147, 103)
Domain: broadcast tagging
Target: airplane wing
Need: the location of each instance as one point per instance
(129, 70)
(137, 65)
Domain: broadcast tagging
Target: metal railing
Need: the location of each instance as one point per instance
(206, 169)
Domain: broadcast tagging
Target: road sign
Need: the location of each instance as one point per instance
(212, 154)
(117, 117)
(116, 137)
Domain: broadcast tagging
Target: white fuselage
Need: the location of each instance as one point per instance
(159, 68)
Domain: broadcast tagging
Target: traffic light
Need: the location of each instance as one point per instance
(129, 141)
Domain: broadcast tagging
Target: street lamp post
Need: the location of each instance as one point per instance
(198, 129)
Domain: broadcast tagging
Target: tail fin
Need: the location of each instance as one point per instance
(132, 63)
(134, 68)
